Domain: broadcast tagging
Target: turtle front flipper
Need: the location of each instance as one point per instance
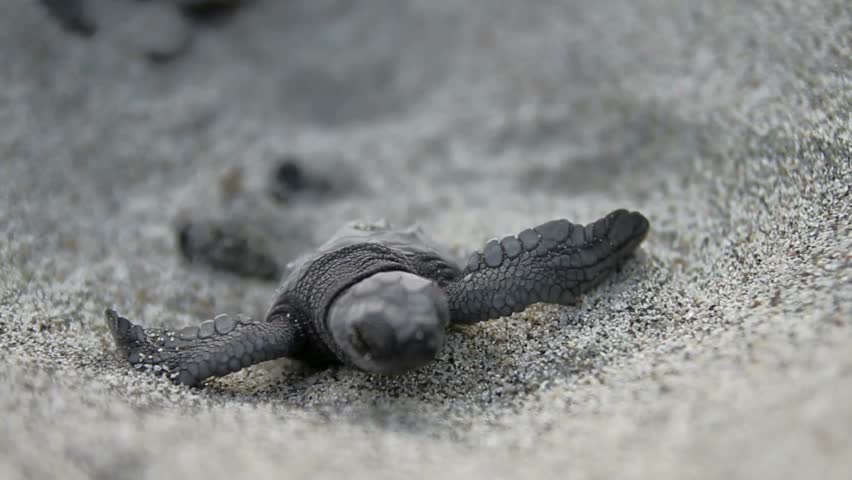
(554, 263)
(215, 348)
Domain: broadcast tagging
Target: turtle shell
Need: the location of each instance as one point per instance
(411, 240)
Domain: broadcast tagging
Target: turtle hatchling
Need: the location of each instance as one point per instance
(381, 299)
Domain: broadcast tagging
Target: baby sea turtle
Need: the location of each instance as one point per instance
(380, 299)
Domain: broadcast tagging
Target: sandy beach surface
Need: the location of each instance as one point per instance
(721, 351)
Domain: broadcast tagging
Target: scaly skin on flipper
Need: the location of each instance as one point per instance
(215, 348)
(555, 262)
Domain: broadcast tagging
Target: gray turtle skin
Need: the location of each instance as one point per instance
(380, 299)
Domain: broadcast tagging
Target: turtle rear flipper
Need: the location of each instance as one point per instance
(227, 246)
(217, 347)
(554, 262)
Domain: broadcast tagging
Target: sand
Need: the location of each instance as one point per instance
(721, 351)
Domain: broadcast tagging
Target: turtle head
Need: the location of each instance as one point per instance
(390, 322)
